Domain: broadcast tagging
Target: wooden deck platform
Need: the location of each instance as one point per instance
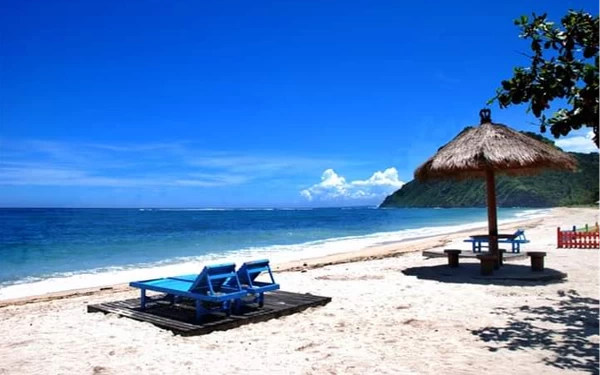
(180, 317)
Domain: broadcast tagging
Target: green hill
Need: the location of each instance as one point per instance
(548, 189)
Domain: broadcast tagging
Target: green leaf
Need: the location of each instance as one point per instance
(559, 69)
(521, 21)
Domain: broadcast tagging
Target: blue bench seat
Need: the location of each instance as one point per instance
(247, 275)
(206, 288)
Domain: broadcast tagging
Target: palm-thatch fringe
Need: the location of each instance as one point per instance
(493, 147)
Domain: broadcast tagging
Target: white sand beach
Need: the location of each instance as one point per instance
(379, 321)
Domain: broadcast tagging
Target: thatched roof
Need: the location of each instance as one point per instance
(496, 147)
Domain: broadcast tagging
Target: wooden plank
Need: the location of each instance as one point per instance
(293, 298)
(255, 317)
(180, 317)
(285, 294)
(172, 317)
(151, 318)
(180, 325)
(176, 326)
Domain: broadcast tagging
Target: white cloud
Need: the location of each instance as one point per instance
(51, 163)
(27, 175)
(578, 143)
(389, 177)
(49, 176)
(335, 187)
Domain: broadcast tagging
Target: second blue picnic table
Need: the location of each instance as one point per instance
(516, 239)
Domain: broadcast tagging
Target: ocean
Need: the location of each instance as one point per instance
(48, 250)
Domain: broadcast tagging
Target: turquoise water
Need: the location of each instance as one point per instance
(57, 244)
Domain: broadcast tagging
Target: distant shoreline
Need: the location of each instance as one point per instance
(379, 251)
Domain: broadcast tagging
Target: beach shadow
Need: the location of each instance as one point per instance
(470, 273)
(572, 323)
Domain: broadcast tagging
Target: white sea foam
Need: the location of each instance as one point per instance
(221, 209)
(192, 209)
(294, 209)
(235, 209)
(189, 265)
(531, 214)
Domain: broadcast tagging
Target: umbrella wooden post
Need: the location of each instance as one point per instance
(492, 217)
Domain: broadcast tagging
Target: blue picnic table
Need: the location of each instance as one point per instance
(482, 240)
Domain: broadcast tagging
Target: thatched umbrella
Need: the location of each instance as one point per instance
(489, 149)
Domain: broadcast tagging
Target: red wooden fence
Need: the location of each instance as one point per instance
(579, 240)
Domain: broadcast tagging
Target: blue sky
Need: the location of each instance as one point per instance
(244, 103)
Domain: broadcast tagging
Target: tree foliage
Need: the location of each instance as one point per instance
(541, 139)
(564, 67)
